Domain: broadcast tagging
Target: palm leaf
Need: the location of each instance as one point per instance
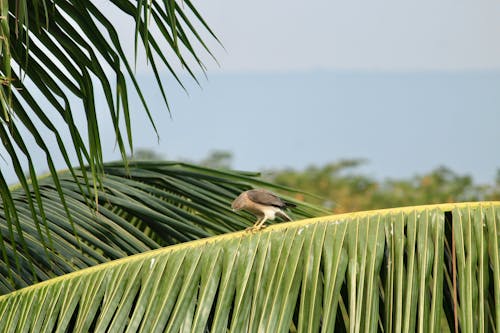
(385, 270)
(139, 208)
(57, 56)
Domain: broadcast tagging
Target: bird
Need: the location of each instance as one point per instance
(264, 204)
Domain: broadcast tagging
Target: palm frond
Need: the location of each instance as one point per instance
(57, 56)
(389, 270)
(139, 208)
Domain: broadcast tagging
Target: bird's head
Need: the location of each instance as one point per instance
(238, 203)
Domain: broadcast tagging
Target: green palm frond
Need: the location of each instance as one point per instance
(57, 56)
(139, 208)
(398, 270)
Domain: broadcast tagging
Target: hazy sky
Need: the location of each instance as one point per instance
(316, 73)
(388, 35)
(283, 35)
(409, 85)
(402, 123)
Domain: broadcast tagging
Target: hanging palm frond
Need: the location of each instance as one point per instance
(139, 208)
(57, 56)
(423, 269)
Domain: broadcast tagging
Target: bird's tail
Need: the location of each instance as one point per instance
(284, 216)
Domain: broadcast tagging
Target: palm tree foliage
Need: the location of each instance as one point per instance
(424, 268)
(421, 268)
(57, 56)
(145, 206)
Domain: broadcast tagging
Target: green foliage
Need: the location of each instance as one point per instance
(422, 269)
(139, 208)
(363, 272)
(342, 189)
(58, 57)
(146, 155)
(217, 159)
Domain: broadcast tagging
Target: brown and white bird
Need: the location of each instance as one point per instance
(263, 204)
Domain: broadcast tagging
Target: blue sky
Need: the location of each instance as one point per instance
(407, 85)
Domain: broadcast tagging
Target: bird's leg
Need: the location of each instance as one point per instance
(258, 224)
(254, 225)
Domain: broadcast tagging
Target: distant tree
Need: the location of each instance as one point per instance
(144, 154)
(494, 192)
(218, 159)
(342, 189)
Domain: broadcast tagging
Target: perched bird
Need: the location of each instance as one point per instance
(263, 204)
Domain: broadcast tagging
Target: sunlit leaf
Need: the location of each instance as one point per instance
(270, 280)
(142, 207)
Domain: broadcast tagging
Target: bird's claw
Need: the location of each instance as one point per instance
(255, 228)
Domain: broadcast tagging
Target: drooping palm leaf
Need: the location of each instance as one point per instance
(389, 270)
(142, 207)
(57, 56)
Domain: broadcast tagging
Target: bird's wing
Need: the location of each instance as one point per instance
(267, 198)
